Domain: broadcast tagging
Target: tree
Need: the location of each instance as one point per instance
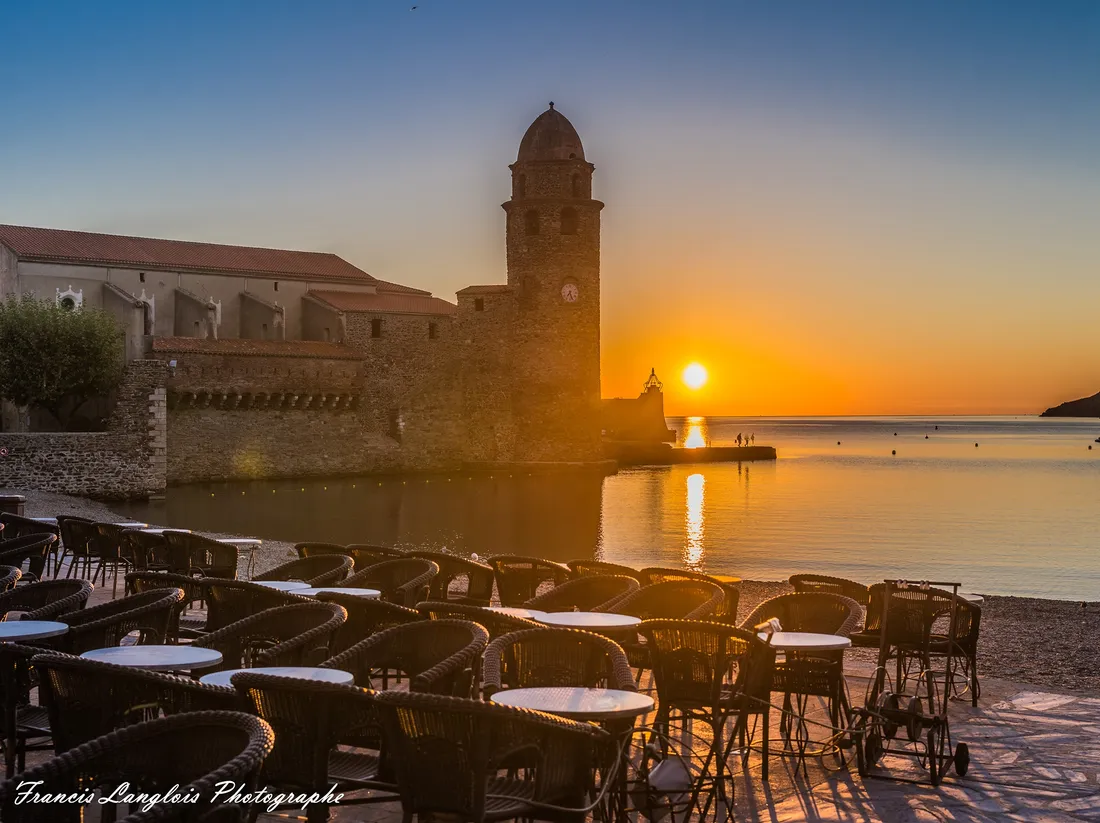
(55, 357)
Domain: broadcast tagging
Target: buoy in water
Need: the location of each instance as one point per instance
(893, 451)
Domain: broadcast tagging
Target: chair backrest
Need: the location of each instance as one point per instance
(472, 738)
(833, 585)
(75, 533)
(149, 614)
(88, 698)
(319, 570)
(30, 548)
(366, 617)
(519, 578)
(587, 593)
(913, 612)
(9, 576)
(367, 554)
(478, 590)
(678, 599)
(18, 526)
(725, 613)
(439, 656)
(693, 662)
(295, 635)
(193, 751)
(144, 549)
(228, 601)
(545, 656)
(108, 541)
(312, 549)
(497, 623)
(403, 581)
(581, 568)
(204, 554)
(819, 612)
(46, 600)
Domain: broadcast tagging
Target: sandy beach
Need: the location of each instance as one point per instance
(1050, 644)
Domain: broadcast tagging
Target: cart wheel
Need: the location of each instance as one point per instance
(915, 709)
(873, 746)
(962, 759)
(935, 765)
(888, 702)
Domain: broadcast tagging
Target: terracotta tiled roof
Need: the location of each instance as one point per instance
(492, 289)
(383, 285)
(257, 348)
(89, 248)
(385, 303)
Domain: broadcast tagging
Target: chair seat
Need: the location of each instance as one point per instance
(353, 768)
(33, 721)
(513, 800)
(865, 639)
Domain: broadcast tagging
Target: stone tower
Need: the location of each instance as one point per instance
(553, 237)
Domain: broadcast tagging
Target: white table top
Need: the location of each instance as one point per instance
(516, 611)
(806, 641)
(224, 678)
(157, 658)
(126, 524)
(976, 599)
(588, 620)
(577, 703)
(243, 542)
(369, 594)
(283, 585)
(12, 630)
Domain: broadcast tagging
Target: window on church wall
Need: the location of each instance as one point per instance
(521, 186)
(376, 328)
(433, 331)
(263, 331)
(578, 186)
(531, 222)
(568, 221)
(479, 304)
(327, 335)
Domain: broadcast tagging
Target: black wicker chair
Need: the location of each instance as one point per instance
(365, 618)
(498, 623)
(438, 656)
(146, 551)
(833, 585)
(89, 698)
(297, 635)
(546, 656)
(473, 738)
(47, 600)
(32, 549)
(228, 601)
(311, 720)
(108, 548)
(149, 614)
(478, 590)
(581, 568)
(77, 536)
(726, 613)
(588, 593)
(315, 549)
(191, 752)
(9, 576)
(193, 590)
(16, 526)
(189, 553)
(319, 570)
(366, 555)
(403, 581)
(520, 578)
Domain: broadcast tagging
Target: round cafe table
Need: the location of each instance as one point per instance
(318, 675)
(594, 621)
(157, 658)
(976, 599)
(12, 631)
(577, 703)
(806, 641)
(283, 585)
(366, 594)
(516, 611)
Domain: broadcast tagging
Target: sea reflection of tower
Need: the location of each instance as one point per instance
(695, 521)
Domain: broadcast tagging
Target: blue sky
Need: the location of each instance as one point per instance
(843, 168)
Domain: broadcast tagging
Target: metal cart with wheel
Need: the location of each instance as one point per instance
(908, 718)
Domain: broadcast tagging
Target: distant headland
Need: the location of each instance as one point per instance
(1085, 407)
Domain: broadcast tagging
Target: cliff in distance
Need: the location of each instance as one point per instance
(1085, 407)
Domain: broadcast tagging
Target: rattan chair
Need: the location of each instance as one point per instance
(546, 656)
(319, 570)
(478, 590)
(107, 548)
(520, 578)
(315, 549)
(366, 555)
(89, 698)
(149, 614)
(497, 623)
(423, 731)
(77, 535)
(819, 612)
(297, 635)
(438, 656)
(589, 593)
(833, 585)
(365, 618)
(32, 549)
(228, 601)
(193, 752)
(725, 613)
(193, 590)
(46, 600)
(16, 526)
(9, 576)
(310, 720)
(146, 551)
(22, 720)
(189, 553)
(711, 672)
(403, 581)
(581, 568)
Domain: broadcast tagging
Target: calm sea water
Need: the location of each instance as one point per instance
(1017, 514)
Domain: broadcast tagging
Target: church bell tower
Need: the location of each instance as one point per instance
(553, 237)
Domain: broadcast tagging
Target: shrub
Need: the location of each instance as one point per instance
(56, 358)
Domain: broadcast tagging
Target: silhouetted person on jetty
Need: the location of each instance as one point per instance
(752, 439)
(738, 439)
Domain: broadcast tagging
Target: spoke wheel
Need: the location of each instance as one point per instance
(962, 759)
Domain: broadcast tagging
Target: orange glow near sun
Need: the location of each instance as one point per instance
(695, 376)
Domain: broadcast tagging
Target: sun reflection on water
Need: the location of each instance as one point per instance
(695, 437)
(695, 522)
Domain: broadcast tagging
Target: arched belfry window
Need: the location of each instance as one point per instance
(531, 222)
(578, 190)
(521, 186)
(568, 221)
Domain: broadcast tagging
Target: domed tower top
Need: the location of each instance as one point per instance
(550, 137)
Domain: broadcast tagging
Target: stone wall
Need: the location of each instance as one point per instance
(126, 461)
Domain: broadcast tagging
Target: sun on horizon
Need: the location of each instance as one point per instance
(695, 376)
